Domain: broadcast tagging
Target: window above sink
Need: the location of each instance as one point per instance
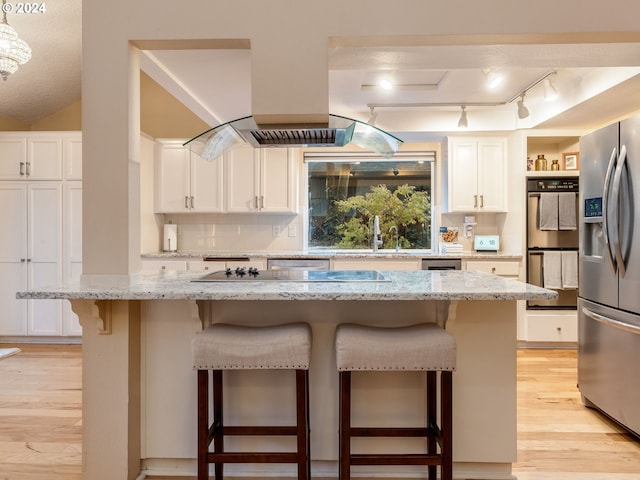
(346, 192)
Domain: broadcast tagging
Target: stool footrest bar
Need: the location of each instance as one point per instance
(251, 457)
(396, 459)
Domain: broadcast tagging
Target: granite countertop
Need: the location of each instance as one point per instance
(404, 285)
(311, 254)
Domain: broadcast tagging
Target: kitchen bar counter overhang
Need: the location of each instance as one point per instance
(404, 285)
(139, 387)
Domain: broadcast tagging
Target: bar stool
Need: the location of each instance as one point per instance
(231, 347)
(422, 347)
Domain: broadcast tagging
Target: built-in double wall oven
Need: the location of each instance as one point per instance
(552, 240)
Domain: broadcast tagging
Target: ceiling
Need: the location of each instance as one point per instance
(51, 79)
(598, 83)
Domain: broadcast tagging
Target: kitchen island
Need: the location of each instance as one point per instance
(139, 387)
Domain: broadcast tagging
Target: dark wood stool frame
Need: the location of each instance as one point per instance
(435, 435)
(216, 430)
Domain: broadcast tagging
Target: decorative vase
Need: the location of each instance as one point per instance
(555, 165)
(541, 163)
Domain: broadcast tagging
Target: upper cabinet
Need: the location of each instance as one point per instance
(261, 180)
(31, 156)
(477, 175)
(185, 182)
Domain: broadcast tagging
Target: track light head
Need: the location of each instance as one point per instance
(523, 111)
(550, 92)
(373, 117)
(463, 123)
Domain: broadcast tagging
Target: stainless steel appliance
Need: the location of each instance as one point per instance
(541, 241)
(293, 275)
(609, 264)
(298, 263)
(441, 264)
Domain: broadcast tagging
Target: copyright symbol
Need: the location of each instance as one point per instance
(7, 7)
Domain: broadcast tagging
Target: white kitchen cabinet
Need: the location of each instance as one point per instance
(504, 268)
(30, 256)
(31, 156)
(72, 250)
(72, 161)
(261, 180)
(477, 177)
(185, 182)
(163, 265)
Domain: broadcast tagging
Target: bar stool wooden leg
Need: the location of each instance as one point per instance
(203, 422)
(345, 426)
(432, 421)
(446, 401)
(218, 425)
(302, 424)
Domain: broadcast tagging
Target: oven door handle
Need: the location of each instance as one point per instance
(611, 322)
(605, 207)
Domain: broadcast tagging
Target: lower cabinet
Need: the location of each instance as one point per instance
(552, 326)
(504, 268)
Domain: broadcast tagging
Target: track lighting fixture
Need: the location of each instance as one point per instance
(463, 123)
(523, 111)
(373, 117)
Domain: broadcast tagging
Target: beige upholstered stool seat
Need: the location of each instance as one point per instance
(233, 347)
(425, 346)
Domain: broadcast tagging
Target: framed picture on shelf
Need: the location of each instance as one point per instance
(571, 161)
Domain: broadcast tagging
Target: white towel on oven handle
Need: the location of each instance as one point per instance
(548, 211)
(569, 269)
(552, 270)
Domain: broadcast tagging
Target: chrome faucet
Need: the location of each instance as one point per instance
(377, 241)
(393, 227)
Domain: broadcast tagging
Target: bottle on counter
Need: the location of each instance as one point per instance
(555, 165)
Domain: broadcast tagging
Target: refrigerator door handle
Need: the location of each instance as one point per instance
(605, 206)
(611, 322)
(617, 179)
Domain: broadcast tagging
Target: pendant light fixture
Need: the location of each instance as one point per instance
(13, 50)
(463, 123)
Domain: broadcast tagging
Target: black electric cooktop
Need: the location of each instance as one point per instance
(293, 275)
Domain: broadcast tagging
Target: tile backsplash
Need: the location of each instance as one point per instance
(229, 232)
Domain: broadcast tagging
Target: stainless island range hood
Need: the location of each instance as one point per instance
(337, 131)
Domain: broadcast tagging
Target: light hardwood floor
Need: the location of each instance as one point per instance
(558, 438)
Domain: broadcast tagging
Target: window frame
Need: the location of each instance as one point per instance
(350, 157)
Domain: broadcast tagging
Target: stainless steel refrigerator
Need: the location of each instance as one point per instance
(609, 272)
